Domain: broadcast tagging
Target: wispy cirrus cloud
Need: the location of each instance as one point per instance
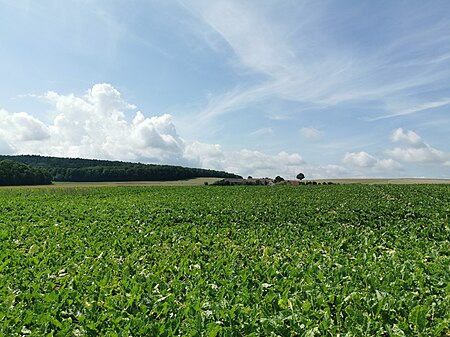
(308, 64)
(262, 132)
(413, 109)
(311, 133)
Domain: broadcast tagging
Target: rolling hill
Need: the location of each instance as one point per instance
(93, 170)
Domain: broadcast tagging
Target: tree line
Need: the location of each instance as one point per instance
(13, 173)
(92, 170)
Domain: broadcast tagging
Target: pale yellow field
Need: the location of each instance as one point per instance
(386, 181)
(188, 182)
(201, 181)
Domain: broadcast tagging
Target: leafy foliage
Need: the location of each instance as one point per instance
(13, 173)
(349, 260)
(77, 169)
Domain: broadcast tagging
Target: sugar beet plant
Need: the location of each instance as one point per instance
(353, 260)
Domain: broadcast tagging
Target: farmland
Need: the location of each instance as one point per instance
(348, 260)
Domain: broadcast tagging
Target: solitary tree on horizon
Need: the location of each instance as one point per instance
(300, 176)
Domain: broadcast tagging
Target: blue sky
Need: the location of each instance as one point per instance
(261, 88)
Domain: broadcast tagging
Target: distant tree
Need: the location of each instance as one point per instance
(300, 176)
(249, 177)
(278, 179)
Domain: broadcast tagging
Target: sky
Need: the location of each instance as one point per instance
(333, 89)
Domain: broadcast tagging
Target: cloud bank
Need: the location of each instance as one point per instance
(95, 125)
(415, 150)
(101, 124)
(412, 149)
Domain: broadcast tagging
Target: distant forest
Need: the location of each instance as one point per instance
(13, 173)
(92, 170)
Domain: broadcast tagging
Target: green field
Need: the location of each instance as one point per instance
(339, 260)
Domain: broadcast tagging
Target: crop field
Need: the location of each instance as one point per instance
(336, 260)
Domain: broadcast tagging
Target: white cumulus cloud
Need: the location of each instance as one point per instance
(412, 149)
(94, 126)
(360, 159)
(409, 138)
(245, 162)
(364, 164)
(326, 172)
(424, 154)
(415, 150)
(205, 155)
(260, 164)
(20, 126)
